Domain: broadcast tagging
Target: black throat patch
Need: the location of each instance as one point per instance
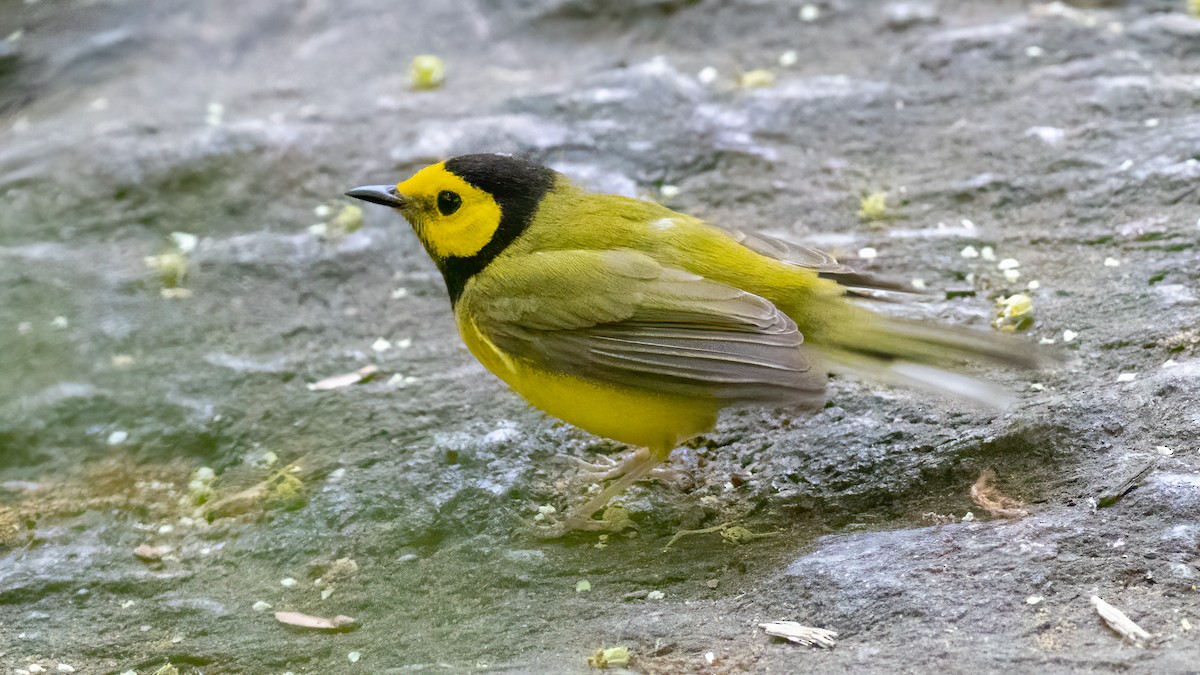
(518, 186)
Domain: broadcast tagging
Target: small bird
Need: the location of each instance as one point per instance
(641, 324)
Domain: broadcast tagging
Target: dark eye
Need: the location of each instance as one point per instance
(448, 202)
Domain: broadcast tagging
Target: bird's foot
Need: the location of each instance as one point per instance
(604, 467)
(615, 518)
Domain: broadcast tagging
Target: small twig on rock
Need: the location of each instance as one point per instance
(336, 624)
(731, 532)
(706, 530)
(1128, 486)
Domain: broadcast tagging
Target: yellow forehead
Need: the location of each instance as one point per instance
(435, 178)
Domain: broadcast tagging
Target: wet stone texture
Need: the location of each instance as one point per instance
(168, 411)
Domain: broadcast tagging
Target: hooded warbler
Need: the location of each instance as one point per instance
(640, 324)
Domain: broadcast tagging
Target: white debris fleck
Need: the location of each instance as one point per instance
(709, 657)
(1033, 285)
(260, 606)
(118, 437)
(354, 657)
(1169, 363)
(166, 529)
(1033, 599)
(867, 253)
(1163, 450)
(1185, 624)
(1011, 276)
(404, 344)
(60, 323)
(287, 582)
(1034, 52)
(1008, 264)
(401, 381)
(381, 345)
(1126, 165)
(918, 284)
(1069, 335)
(1047, 135)
(968, 517)
(655, 595)
(1112, 262)
(214, 114)
(322, 210)
(65, 668)
(35, 668)
(805, 635)
(1126, 377)
(1037, 386)
(970, 252)
(988, 253)
(789, 58)
(400, 293)
(186, 242)
(583, 586)
(1151, 123)
(1047, 341)
(810, 13)
(505, 434)
(707, 75)
(966, 223)
(669, 191)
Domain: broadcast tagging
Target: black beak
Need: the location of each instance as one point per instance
(378, 194)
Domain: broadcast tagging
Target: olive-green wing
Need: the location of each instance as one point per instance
(620, 318)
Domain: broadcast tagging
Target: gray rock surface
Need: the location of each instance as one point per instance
(1062, 136)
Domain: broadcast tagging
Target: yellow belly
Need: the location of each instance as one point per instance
(656, 421)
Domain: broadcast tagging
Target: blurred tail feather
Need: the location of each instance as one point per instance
(911, 353)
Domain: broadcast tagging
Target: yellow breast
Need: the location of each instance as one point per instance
(656, 421)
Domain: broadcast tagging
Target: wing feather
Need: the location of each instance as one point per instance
(620, 318)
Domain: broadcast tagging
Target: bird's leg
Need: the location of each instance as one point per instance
(637, 467)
